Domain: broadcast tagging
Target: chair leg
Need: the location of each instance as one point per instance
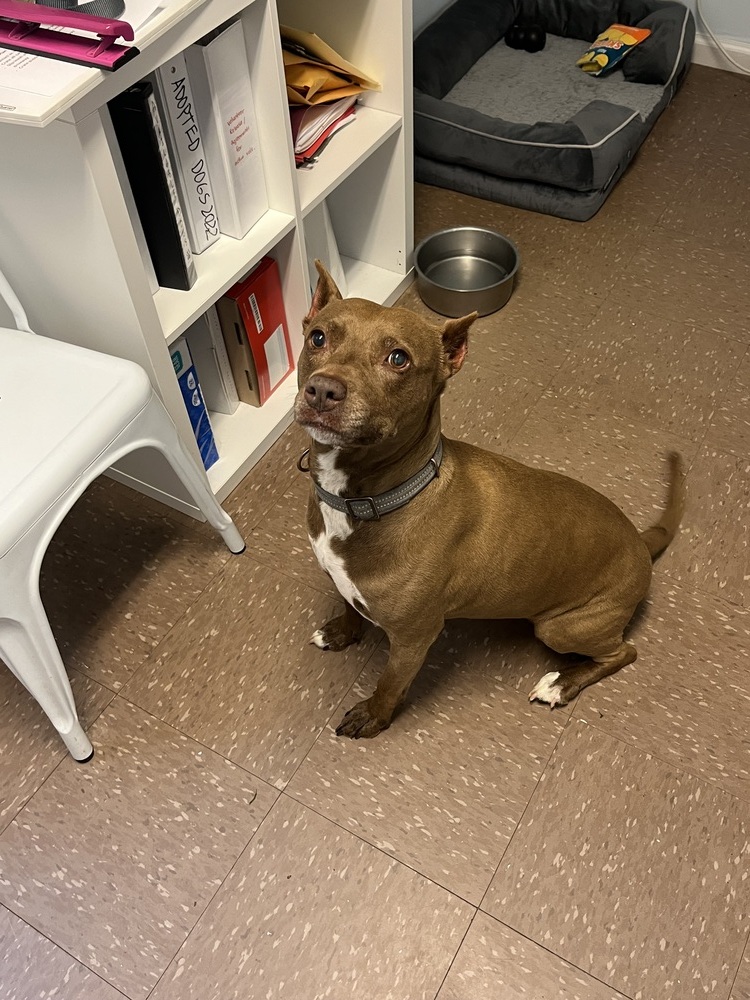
(30, 651)
(168, 441)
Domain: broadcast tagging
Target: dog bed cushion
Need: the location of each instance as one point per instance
(549, 87)
(496, 122)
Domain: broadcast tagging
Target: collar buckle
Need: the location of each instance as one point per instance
(373, 508)
(367, 515)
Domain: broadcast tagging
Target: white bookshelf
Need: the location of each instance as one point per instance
(218, 268)
(354, 144)
(69, 240)
(242, 439)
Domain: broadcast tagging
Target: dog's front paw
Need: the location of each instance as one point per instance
(335, 635)
(359, 723)
(549, 690)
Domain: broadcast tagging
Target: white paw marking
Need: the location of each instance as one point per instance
(546, 690)
(318, 639)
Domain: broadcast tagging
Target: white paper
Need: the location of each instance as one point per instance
(315, 121)
(45, 77)
(36, 74)
(276, 356)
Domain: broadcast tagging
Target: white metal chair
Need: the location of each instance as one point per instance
(66, 415)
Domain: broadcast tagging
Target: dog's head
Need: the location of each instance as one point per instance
(368, 373)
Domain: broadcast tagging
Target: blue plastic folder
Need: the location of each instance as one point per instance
(187, 378)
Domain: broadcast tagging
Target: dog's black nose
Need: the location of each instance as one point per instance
(323, 393)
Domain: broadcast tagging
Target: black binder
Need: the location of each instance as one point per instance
(140, 134)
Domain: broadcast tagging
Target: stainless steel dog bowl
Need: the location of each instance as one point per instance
(466, 269)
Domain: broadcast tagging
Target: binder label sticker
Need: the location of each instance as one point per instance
(276, 356)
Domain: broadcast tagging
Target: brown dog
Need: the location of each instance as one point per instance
(415, 529)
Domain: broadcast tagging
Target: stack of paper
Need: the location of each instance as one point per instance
(313, 126)
(322, 88)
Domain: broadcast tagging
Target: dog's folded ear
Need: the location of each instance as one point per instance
(325, 292)
(456, 341)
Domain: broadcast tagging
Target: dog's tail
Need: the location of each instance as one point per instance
(659, 535)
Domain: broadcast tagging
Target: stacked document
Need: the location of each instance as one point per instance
(313, 126)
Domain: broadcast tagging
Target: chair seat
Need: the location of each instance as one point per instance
(60, 407)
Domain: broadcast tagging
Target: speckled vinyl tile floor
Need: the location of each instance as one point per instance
(224, 844)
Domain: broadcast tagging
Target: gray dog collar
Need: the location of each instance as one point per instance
(373, 508)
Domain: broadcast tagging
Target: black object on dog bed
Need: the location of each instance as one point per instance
(534, 130)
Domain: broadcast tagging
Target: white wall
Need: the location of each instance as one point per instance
(425, 11)
(727, 18)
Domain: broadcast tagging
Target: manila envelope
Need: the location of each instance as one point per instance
(315, 73)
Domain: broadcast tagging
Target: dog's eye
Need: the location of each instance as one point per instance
(318, 338)
(398, 359)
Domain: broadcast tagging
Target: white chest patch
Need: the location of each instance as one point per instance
(336, 526)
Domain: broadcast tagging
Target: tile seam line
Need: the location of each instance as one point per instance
(516, 930)
(380, 850)
(129, 700)
(154, 651)
(242, 851)
(193, 739)
(65, 755)
(455, 954)
(9, 907)
(265, 819)
(539, 944)
(730, 251)
(676, 768)
(65, 951)
(292, 794)
(84, 671)
(532, 793)
(269, 563)
(736, 975)
(560, 958)
(375, 649)
(210, 900)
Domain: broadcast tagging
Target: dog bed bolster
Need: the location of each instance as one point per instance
(446, 50)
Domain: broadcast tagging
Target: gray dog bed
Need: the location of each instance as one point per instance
(532, 129)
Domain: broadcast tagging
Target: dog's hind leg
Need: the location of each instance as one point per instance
(560, 687)
(605, 657)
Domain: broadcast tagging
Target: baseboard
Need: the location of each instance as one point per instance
(706, 53)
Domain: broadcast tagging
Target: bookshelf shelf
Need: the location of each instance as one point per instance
(244, 436)
(353, 145)
(69, 225)
(218, 268)
(369, 281)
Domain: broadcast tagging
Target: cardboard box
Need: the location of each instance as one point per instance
(238, 349)
(253, 321)
(187, 379)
